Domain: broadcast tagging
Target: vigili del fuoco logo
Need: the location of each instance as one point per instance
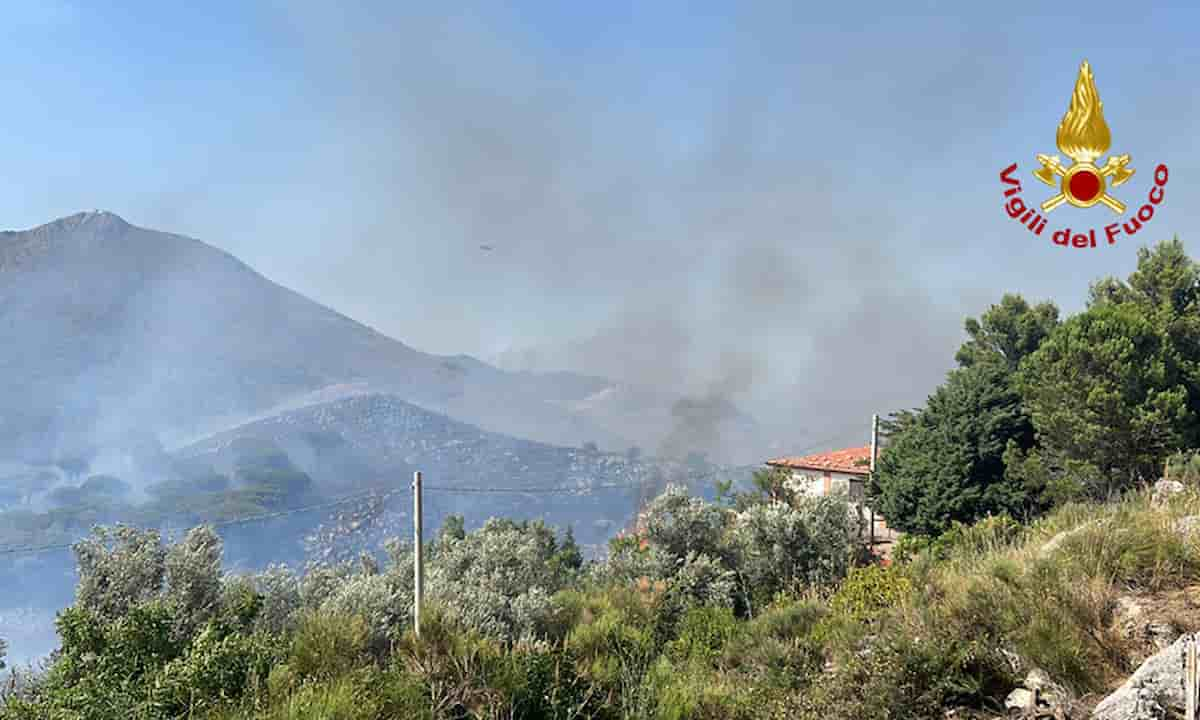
(1083, 136)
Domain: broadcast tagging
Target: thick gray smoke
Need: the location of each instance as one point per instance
(724, 255)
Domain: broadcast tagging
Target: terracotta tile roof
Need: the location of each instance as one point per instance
(856, 460)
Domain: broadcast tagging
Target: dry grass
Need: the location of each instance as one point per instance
(1050, 595)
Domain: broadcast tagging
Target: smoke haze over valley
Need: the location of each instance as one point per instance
(688, 231)
(594, 248)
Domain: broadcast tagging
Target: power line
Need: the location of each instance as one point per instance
(578, 490)
(534, 490)
(822, 443)
(234, 521)
(31, 549)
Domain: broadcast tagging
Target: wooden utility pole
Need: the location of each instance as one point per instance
(418, 556)
(874, 440)
(874, 453)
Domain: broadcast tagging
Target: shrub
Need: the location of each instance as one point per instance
(326, 645)
(681, 524)
(240, 606)
(779, 547)
(350, 697)
(458, 665)
(121, 650)
(991, 534)
(543, 682)
(868, 591)
(193, 575)
(118, 568)
(701, 635)
(403, 695)
(631, 558)
(779, 647)
(692, 693)
(702, 580)
(909, 546)
(373, 598)
(615, 635)
(216, 670)
(320, 581)
(280, 590)
(104, 669)
(898, 675)
(1185, 467)
(499, 579)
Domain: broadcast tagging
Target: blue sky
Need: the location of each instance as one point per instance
(792, 204)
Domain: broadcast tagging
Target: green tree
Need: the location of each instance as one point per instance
(453, 528)
(1007, 332)
(104, 486)
(945, 463)
(569, 556)
(1165, 288)
(264, 469)
(1105, 395)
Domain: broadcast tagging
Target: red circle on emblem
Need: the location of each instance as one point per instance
(1085, 185)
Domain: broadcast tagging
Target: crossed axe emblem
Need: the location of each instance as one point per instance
(1082, 183)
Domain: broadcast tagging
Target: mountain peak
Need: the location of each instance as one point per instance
(97, 219)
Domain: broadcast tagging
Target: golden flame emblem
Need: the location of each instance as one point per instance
(1083, 136)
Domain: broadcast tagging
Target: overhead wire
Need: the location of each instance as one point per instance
(233, 521)
(824, 443)
(577, 490)
(387, 492)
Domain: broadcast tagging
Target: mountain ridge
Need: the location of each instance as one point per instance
(118, 329)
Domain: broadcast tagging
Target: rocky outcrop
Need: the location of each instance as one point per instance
(1155, 687)
(1134, 624)
(1038, 696)
(1164, 490)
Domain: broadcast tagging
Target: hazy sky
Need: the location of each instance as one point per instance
(796, 205)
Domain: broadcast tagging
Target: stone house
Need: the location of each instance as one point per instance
(847, 470)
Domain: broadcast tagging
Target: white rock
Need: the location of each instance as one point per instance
(1188, 527)
(1162, 634)
(1018, 699)
(1163, 490)
(1048, 690)
(1127, 616)
(1161, 676)
(1015, 663)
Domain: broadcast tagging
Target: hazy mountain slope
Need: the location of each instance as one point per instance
(111, 330)
(378, 440)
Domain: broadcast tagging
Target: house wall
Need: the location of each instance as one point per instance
(818, 483)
